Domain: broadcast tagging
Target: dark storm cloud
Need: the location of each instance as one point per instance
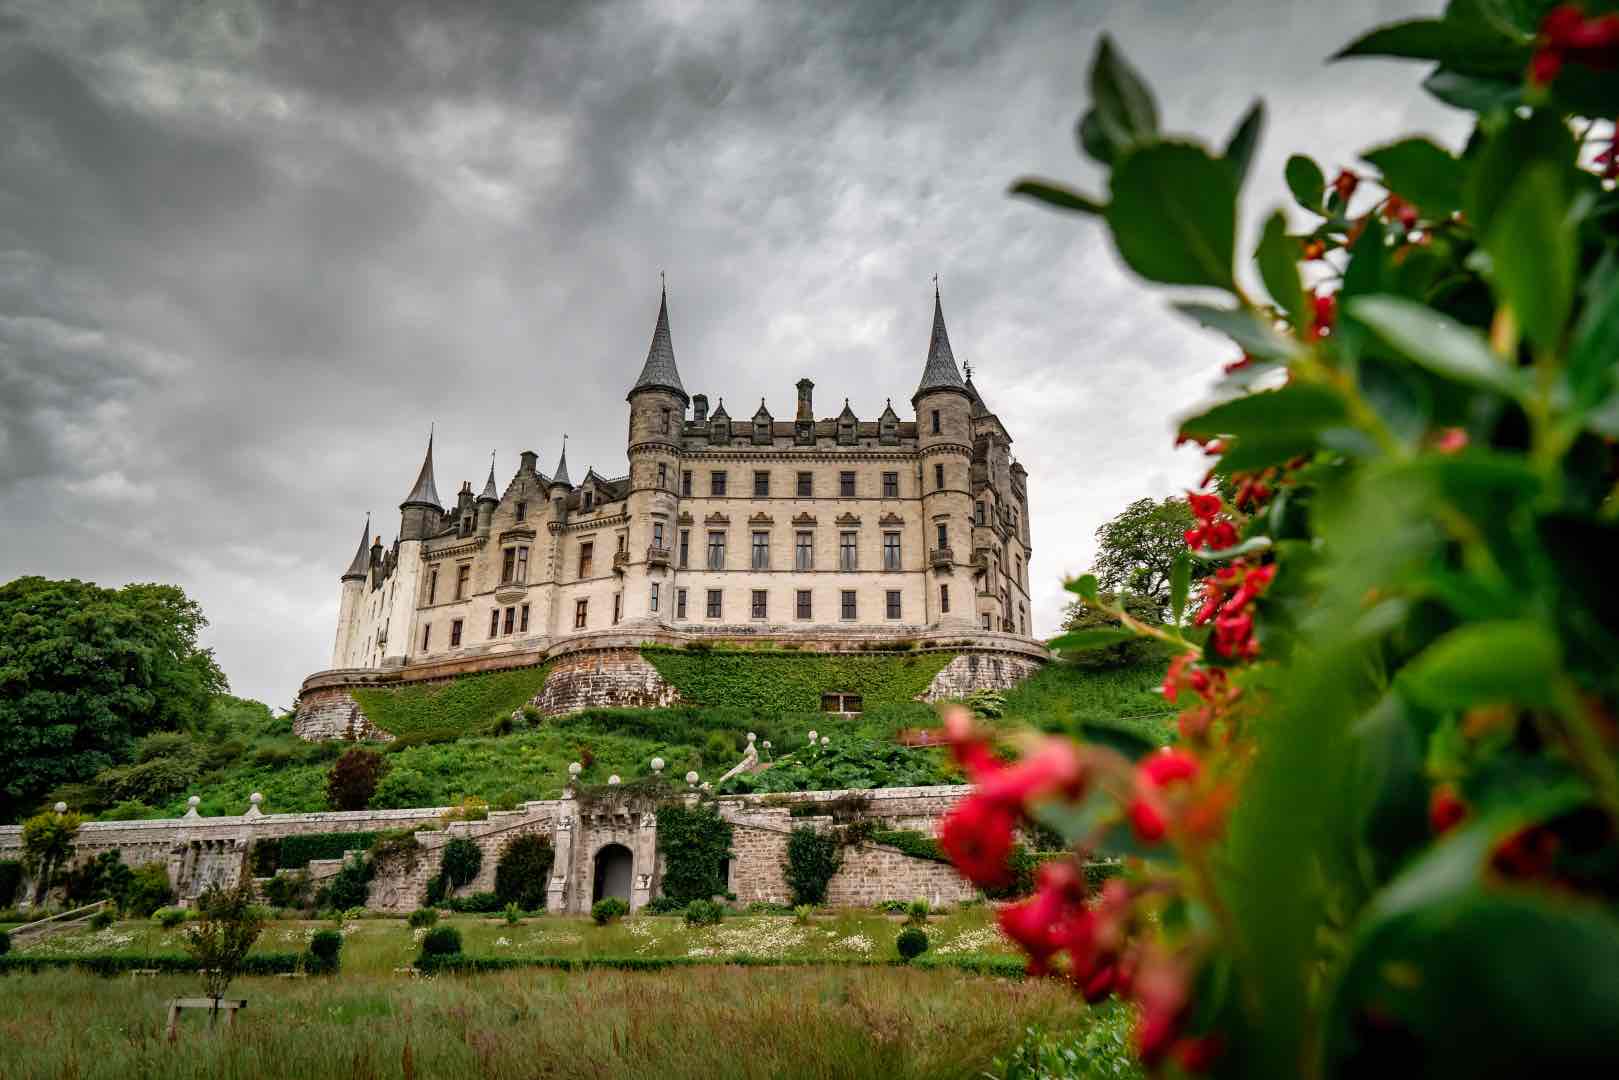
(250, 250)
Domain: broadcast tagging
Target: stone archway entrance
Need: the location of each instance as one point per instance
(613, 873)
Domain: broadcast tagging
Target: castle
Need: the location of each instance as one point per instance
(828, 532)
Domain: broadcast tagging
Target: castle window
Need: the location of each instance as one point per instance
(847, 605)
(685, 548)
(663, 475)
(938, 477)
(986, 621)
(623, 541)
(848, 551)
(522, 511)
(761, 485)
(760, 602)
(944, 598)
(890, 485)
(1023, 619)
(1018, 559)
(935, 421)
(806, 485)
(511, 620)
(508, 566)
(944, 535)
(803, 604)
(716, 483)
(455, 634)
(680, 603)
(891, 551)
(427, 636)
(494, 622)
(893, 603)
(761, 551)
(463, 575)
(653, 603)
(713, 603)
(580, 610)
(522, 620)
(663, 421)
(590, 498)
(841, 703)
(618, 607)
(587, 557)
(432, 584)
(716, 551)
(846, 485)
(685, 482)
(657, 534)
(804, 551)
(978, 512)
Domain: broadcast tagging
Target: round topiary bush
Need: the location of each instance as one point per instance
(325, 953)
(461, 861)
(170, 917)
(441, 941)
(423, 918)
(911, 943)
(704, 913)
(607, 909)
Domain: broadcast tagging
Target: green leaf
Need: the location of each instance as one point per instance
(1239, 149)
(1437, 342)
(1421, 173)
(1467, 47)
(1254, 545)
(1540, 137)
(1278, 259)
(1180, 581)
(1084, 585)
(1246, 328)
(1080, 640)
(1306, 181)
(1487, 663)
(1058, 195)
(1299, 407)
(1595, 348)
(1096, 142)
(1533, 252)
(1174, 215)
(1124, 106)
(1472, 92)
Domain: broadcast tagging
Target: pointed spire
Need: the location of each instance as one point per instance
(425, 493)
(561, 476)
(847, 413)
(888, 411)
(660, 372)
(361, 563)
(763, 413)
(720, 412)
(941, 372)
(490, 492)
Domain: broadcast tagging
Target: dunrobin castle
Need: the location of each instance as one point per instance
(822, 532)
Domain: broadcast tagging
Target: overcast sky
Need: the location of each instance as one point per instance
(250, 250)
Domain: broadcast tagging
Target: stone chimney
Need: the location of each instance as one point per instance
(530, 462)
(699, 409)
(806, 400)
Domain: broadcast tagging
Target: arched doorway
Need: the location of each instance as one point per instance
(614, 865)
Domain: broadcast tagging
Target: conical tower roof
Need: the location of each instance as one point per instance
(979, 408)
(561, 476)
(361, 564)
(490, 492)
(660, 372)
(425, 493)
(941, 372)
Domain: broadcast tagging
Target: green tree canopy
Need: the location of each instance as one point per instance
(85, 671)
(1136, 550)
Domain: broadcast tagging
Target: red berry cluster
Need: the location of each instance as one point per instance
(1213, 689)
(1325, 308)
(1566, 34)
(1228, 595)
(1212, 531)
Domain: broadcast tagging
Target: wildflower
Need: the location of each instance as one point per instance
(1041, 924)
(977, 835)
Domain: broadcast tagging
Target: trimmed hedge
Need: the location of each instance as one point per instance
(695, 842)
(1011, 967)
(464, 704)
(168, 963)
(772, 681)
(296, 852)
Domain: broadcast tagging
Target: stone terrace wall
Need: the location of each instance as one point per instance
(617, 678)
(331, 712)
(980, 671)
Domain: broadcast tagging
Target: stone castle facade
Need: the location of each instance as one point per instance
(829, 528)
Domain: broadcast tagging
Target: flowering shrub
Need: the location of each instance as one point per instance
(1385, 839)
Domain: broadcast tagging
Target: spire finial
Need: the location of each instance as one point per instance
(968, 365)
(935, 286)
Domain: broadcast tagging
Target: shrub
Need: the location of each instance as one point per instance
(523, 872)
(403, 789)
(127, 810)
(916, 912)
(892, 907)
(353, 779)
(289, 890)
(663, 905)
(461, 861)
(105, 875)
(695, 842)
(803, 913)
(441, 941)
(10, 881)
(102, 919)
(704, 913)
(478, 903)
(513, 914)
(350, 887)
(147, 889)
(435, 892)
(812, 859)
(911, 943)
(170, 917)
(325, 952)
(227, 926)
(423, 918)
(47, 844)
(607, 909)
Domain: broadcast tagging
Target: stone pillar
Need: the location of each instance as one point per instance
(556, 895)
(646, 860)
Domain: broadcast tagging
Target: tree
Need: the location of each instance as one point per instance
(354, 779)
(47, 845)
(1136, 550)
(86, 671)
(1127, 653)
(223, 935)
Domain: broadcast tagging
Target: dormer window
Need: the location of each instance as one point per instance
(590, 498)
(522, 511)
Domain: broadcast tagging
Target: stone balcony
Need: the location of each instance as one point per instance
(658, 556)
(941, 558)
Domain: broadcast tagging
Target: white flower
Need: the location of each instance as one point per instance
(858, 942)
(503, 942)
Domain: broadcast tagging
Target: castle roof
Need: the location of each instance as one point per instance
(979, 408)
(847, 413)
(425, 493)
(660, 372)
(561, 476)
(763, 413)
(719, 412)
(361, 564)
(490, 493)
(888, 411)
(941, 372)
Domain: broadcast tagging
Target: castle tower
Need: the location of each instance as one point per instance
(421, 512)
(657, 414)
(348, 605)
(945, 444)
(420, 516)
(488, 500)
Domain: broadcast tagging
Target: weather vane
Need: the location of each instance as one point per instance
(968, 364)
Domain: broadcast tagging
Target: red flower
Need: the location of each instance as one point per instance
(1147, 821)
(1344, 185)
(1325, 306)
(1451, 440)
(1446, 809)
(1162, 991)
(1203, 506)
(1526, 854)
(977, 836)
(1544, 66)
(1397, 209)
(1167, 766)
(1047, 922)
(1055, 767)
(1199, 1054)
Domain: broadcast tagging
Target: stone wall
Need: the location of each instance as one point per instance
(980, 670)
(332, 713)
(606, 678)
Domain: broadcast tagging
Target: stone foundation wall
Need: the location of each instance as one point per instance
(332, 713)
(617, 678)
(979, 671)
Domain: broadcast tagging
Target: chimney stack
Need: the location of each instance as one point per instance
(699, 409)
(806, 401)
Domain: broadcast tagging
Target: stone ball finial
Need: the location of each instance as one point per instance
(575, 769)
(812, 737)
(766, 744)
(255, 798)
(613, 780)
(61, 808)
(657, 764)
(752, 736)
(825, 741)
(691, 778)
(194, 801)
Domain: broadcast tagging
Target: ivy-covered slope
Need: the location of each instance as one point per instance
(462, 704)
(782, 681)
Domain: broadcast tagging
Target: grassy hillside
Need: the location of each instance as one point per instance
(779, 680)
(461, 705)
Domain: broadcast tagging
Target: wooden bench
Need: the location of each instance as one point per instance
(227, 1005)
